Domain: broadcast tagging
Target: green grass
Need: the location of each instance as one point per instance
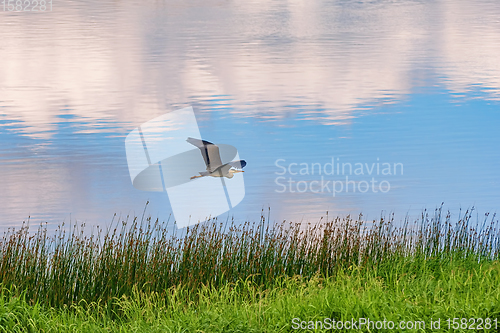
(435, 289)
(222, 277)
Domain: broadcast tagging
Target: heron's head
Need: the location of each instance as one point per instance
(233, 171)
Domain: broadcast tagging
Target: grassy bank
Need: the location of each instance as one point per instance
(413, 291)
(225, 277)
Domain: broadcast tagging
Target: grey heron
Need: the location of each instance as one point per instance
(211, 155)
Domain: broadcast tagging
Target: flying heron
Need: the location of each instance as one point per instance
(211, 155)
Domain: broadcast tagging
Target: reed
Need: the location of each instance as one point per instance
(67, 267)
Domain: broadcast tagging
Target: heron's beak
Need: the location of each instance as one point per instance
(239, 171)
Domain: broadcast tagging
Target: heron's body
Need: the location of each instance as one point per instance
(211, 156)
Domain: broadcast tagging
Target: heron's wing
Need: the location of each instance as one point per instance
(238, 164)
(224, 169)
(209, 151)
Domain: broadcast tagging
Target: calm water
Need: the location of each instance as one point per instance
(406, 92)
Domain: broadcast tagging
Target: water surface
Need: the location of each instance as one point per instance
(409, 82)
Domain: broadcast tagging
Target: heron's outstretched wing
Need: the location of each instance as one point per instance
(238, 164)
(209, 151)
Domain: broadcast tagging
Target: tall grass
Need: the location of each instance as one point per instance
(66, 268)
(464, 289)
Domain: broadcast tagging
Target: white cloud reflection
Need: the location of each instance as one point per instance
(125, 62)
(470, 46)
